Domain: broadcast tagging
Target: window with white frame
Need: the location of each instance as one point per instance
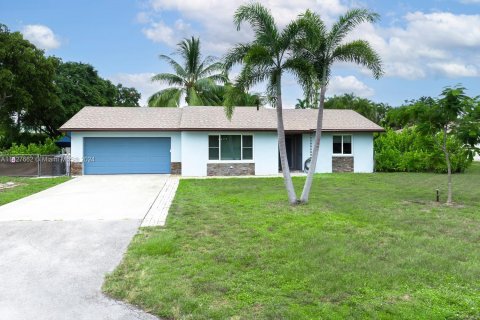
(342, 144)
(230, 147)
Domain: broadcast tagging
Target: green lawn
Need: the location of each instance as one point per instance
(367, 246)
(26, 187)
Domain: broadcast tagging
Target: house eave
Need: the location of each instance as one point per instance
(211, 129)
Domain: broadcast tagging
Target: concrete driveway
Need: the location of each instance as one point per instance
(114, 197)
(56, 247)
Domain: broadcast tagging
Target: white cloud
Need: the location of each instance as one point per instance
(143, 17)
(455, 69)
(216, 18)
(41, 36)
(426, 42)
(161, 33)
(349, 84)
(418, 45)
(140, 81)
(414, 48)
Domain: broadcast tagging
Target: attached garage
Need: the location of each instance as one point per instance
(126, 155)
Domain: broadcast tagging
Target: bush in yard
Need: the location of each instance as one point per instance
(410, 151)
(47, 147)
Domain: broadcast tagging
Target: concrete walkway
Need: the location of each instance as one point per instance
(157, 215)
(53, 261)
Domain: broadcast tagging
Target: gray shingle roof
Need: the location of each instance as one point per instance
(213, 118)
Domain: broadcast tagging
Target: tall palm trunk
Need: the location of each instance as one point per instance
(287, 178)
(316, 147)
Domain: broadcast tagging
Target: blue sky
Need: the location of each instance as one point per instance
(425, 45)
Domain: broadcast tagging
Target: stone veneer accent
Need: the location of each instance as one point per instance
(230, 169)
(176, 168)
(342, 164)
(76, 168)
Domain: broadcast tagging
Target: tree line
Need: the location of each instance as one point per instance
(39, 93)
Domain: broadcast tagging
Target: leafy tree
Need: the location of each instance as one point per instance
(404, 116)
(28, 98)
(38, 94)
(79, 85)
(266, 58)
(322, 48)
(453, 114)
(377, 112)
(126, 97)
(198, 80)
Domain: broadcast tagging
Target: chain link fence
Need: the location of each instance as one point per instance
(35, 165)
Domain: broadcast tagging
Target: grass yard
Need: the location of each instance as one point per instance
(26, 187)
(367, 246)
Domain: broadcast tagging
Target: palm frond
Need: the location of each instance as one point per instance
(209, 92)
(313, 32)
(236, 55)
(193, 98)
(179, 70)
(217, 68)
(347, 23)
(259, 55)
(259, 18)
(169, 97)
(252, 75)
(169, 78)
(289, 35)
(189, 50)
(360, 52)
(303, 70)
(218, 78)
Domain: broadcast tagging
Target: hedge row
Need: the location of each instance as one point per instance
(48, 147)
(409, 151)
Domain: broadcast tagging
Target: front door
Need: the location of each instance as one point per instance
(293, 143)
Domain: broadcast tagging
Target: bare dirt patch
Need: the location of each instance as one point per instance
(8, 185)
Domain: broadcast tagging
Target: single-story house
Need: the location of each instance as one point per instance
(202, 141)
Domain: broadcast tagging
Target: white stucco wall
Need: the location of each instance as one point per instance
(477, 156)
(195, 152)
(265, 153)
(362, 151)
(324, 161)
(77, 141)
(191, 148)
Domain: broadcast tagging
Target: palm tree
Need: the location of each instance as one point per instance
(198, 80)
(266, 58)
(236, 96)
(322, 48)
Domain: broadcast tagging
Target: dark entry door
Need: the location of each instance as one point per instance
(293, 143)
